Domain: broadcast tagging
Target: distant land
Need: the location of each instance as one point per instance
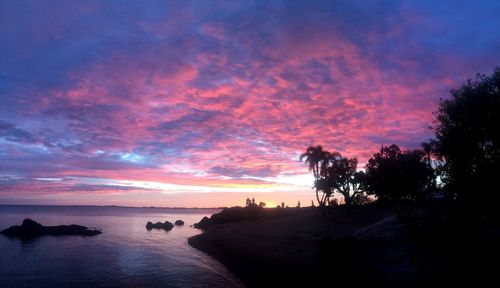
(112, 206)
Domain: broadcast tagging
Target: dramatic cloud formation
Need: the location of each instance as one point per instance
(207, 103)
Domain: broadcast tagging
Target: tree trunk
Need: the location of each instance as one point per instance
(321, 204)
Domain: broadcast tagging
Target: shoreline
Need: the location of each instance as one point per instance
(285, 249)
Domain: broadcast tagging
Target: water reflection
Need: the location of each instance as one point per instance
(125, 255)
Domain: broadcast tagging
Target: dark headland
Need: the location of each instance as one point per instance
(284, 246)
(371, 244)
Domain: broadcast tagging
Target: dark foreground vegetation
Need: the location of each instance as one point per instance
(426, 217)
(33, 229)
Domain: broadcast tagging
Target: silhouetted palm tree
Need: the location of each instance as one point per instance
(313, 157)
(318, 160)
(427, 148)
(324, 163)
(332, 173)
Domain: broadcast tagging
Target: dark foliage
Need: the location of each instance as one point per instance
(333, 174)
(450, 246)
(342, 177)
(393, 175)
(468, 140)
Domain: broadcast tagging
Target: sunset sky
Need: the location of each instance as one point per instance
(205, 103)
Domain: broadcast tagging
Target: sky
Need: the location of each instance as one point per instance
(206, 103)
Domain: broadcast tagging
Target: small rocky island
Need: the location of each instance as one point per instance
(179, 222)
(32, 229)
(167, 226)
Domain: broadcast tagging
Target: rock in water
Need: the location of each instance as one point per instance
(179, 222)
(31, 229)
(158, 225)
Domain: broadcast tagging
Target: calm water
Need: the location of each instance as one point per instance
(124, 255)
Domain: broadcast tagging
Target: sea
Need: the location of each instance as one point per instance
(124, 255)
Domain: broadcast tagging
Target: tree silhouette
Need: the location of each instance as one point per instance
(333, 174)
(393, 175)
(316, 157)
(343, 178)
(468, 139)
(427, 148)
(313, 157)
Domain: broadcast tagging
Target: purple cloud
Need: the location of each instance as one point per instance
(211, 94)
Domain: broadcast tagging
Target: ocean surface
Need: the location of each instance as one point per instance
(124, 255)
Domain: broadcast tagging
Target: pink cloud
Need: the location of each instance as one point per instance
(192, 100)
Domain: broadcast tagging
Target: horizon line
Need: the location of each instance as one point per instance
(114, 206)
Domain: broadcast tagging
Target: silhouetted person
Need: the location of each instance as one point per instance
(253, 200)
(248, 202)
